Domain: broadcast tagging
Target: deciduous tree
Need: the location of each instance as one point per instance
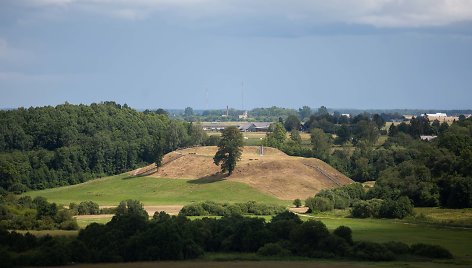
(229, 149)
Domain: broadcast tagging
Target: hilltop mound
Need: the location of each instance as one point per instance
(285, 177)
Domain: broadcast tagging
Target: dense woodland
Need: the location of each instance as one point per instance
(132, 236)
(68, 144)
(429, 173)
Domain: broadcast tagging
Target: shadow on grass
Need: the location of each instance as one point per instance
(209, 179)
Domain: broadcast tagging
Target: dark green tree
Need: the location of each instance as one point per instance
(295, 136)
(229, 149)
(304, 112)
(343, 134)
(321, 143)
(292, 122)
(188, 111)
(276, 135)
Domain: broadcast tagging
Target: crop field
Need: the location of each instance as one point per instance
(154, 191)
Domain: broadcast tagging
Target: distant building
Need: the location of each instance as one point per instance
(438, 115)
(346, 115)
(244, 115)
(428, 138)
(255, 127)
(441, 117)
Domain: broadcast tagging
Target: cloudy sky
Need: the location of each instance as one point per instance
(209, 53)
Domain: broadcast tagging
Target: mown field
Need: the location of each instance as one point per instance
(154, 191)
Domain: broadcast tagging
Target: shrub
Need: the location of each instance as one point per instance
(193, 210)
(366, 209)
(319, 204)
(339, 199)
(273, 249)
(398, 248)
(431, 251)
(216, 209)
(344, 233)
(88, 208)
(371, 251)
(297, 203)
(396, 209)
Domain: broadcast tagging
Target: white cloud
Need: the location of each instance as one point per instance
(379, 13)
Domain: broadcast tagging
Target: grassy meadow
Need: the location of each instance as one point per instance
(154, 191)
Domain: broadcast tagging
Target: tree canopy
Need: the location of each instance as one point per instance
(229, 149)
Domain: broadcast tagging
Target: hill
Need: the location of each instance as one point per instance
(274, 173)
(151, 191)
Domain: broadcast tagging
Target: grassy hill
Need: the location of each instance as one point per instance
(273, 173)
(154, 191)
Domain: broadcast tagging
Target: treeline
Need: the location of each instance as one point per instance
(132, 236)
(54, 146)
(209, 208)
(24, 213)
(429, 173)
(362, 204)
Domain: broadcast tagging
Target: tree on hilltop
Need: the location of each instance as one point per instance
(229, 149)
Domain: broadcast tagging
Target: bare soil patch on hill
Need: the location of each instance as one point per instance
(285, 177)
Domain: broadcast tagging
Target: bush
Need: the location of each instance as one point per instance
(273, 249)
(215, 209)
(396, 209)
(319, 204)
(339, 199)
(372, 252)
(88, 208)
(344, 233)
(431, 251)
(297, 203)
(399, 248)
(366, 209)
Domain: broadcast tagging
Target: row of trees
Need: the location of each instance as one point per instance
(428, 173)
(131, 236)
(24, 213)
(68, 144)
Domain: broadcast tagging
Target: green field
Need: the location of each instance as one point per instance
(457, 240)
(251, 261)
(154, 191)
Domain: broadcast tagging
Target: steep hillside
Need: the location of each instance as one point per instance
(285, 177)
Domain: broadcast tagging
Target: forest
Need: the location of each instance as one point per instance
(48, 147)
(429, 173)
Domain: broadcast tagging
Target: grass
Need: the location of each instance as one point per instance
(155, 191)
(83, 222)
(246, 262)
(40, 233)
(458, 241)
(443, 216)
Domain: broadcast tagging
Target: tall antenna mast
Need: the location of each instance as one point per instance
(242, 95)
(206, 98)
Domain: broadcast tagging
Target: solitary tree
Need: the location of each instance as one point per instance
(229, 149)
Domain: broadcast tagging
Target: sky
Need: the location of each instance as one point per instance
(207, 54)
